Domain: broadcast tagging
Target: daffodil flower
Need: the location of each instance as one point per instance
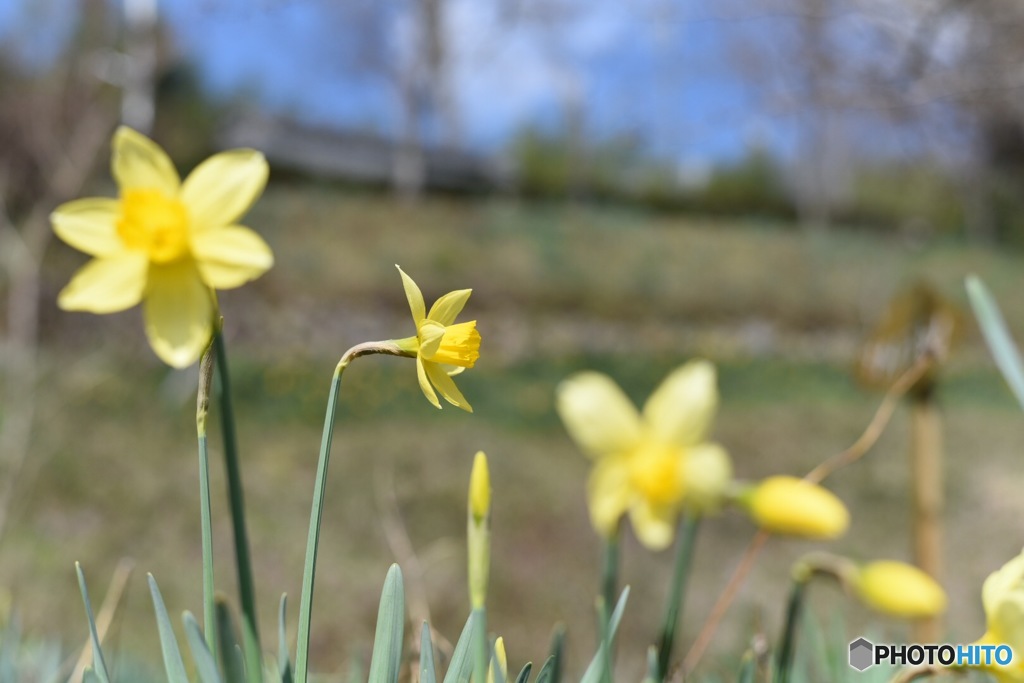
(899, 589)
(1002, 596)
(653, 464)
(166, 243)
(442, 347)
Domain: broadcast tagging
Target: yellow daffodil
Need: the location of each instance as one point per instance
(166, 243)
(899, 589)
(442, 347)
(653, 464)
(1002, 596)
(787, 505)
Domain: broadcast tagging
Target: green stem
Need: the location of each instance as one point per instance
(206, 524)
(788, 643)
(684, 556)
(482, 647)
(243, 561)
(610, 571)
(316, 514)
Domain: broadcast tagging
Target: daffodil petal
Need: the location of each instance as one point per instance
(452, 370)
(229, 257)
(680, 410)
(89, 225)
(655, 525)
(597, 415)
(106, 285)
(428, 390)
(448, 307)
(608, 494)
(139, 163)
(179, 313)
(446, 385)
(1003, 582)
(221, 189)
(414, 296)
(430, 334)
(707, 472)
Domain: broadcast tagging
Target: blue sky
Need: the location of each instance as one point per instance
(673, 82)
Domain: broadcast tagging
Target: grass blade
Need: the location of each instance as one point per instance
(284, 661)
(386, 660)
(460, 669)
(99, 665)
(228, 643)
(595, 671)
(547, 671)
(427, 672)
(524, 675)
(201, 655)
(996, 334)
(173, 665)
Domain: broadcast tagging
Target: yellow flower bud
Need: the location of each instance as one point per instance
(478, 531)
(480, 488)
(787, 505)
(499, 663)
(899, 590)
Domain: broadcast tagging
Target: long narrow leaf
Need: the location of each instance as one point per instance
(547, 670)
(229, 644)
(284, 662)
(460, 669)
(205, 664)
(524, 675)
(386, 660)
(557, 653)
(427, 672)
(595, 671)
(90, 676)
(1000, 343)
(173, 665)
(99, 665)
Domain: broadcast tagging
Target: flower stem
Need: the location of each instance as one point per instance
(316, 514)
(243, 561)
(481, 648)
(202, 409)
(684, 556)
(610, 570)
(788, 643)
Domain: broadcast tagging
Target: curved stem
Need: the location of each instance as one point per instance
(316, 513)
(788, 643)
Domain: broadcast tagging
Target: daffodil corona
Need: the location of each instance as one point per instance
(166, 243)
(442, 347)
(649, 465)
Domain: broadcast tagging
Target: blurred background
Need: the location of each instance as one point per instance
(624, 186)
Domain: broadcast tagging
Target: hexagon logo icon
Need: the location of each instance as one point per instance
(861, 654)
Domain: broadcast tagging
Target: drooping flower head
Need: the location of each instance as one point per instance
(442, 347)
(1002, 596)
(652, 464)
(166, 243)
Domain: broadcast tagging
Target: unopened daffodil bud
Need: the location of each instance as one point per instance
(795, 507)
(479, 531)
(498, 671)
(900, 590)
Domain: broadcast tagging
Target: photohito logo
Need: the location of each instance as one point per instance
(865, 654)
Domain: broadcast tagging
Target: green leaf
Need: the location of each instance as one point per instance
(386, 660)
(100, 670)
(460, 669)
(595, 671)
(427, 673)
(547, 670)
(652, 665)
(230, 647)
(994, 329)
(205, 664)
(251, 649)
(173, 665)
(90, 676)
(284, 661)
(524, 675)
(557, 653)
